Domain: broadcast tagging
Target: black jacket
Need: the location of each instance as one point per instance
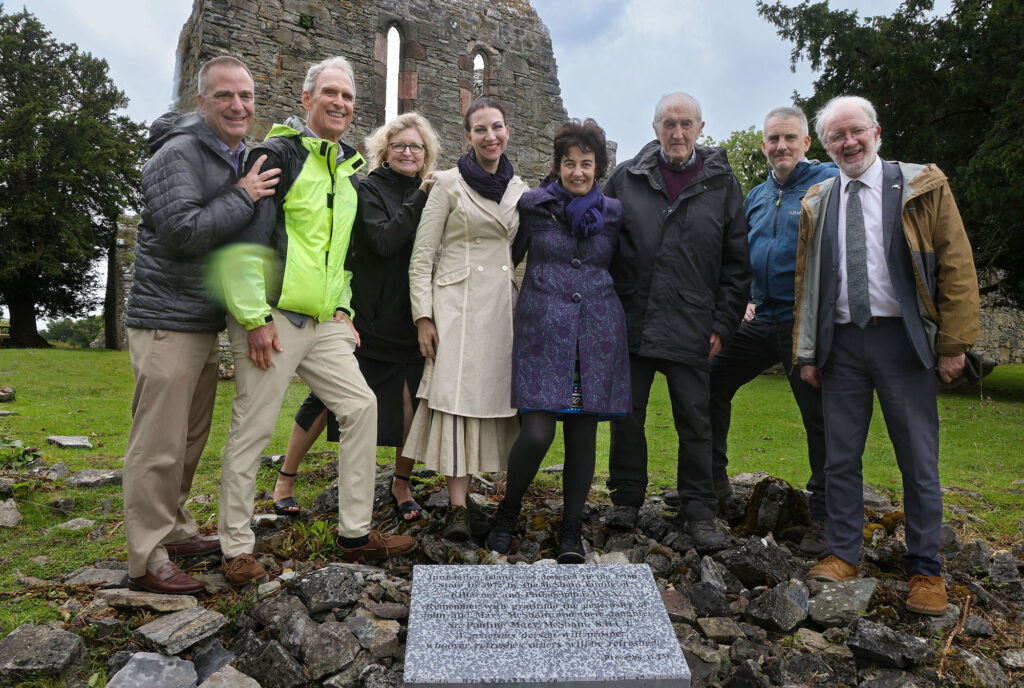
(191, 205)
(389, 211)
(682, 269)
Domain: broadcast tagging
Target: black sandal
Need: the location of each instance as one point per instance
(287, 506)
(406, 508)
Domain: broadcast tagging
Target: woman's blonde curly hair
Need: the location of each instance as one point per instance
(377, 142)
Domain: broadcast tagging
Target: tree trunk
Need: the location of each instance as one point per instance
(24, 334)
(110, 305)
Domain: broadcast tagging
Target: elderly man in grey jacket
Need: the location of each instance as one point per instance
(193, 201)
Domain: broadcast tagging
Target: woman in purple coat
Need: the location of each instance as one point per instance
(569, 355)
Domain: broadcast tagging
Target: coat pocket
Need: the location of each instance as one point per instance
(453, 276)
(697, 298)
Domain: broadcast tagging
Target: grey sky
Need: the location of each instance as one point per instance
(615, 57)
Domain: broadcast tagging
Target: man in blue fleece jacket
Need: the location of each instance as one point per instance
(766, 335)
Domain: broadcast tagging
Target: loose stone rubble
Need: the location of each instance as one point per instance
(743, 616)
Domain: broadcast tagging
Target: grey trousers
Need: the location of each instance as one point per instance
(879, 359)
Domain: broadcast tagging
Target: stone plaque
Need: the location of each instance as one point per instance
(530, 626)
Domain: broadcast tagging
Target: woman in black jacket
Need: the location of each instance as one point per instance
(391, 199)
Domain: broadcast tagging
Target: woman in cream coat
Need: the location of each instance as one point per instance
(463, 294)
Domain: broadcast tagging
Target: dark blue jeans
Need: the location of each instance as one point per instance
(754, 348)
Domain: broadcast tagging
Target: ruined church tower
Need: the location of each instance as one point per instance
(440, 42)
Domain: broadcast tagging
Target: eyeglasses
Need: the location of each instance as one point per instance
(402, 147)
(841, 137)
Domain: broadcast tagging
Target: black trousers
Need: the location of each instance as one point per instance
(627, 463)
(754, 348)
(535, 437)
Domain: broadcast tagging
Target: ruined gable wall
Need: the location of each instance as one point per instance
(279, 39)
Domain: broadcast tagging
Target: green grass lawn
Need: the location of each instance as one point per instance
(88, 392)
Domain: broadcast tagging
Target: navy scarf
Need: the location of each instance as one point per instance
(488, 185)
(585, 213)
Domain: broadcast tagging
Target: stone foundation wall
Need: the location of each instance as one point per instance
(280, 39)
(1001, 333)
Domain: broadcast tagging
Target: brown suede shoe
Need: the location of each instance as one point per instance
(380, 546)
(833, 569)
(167, 580)
(195, 545)
(243, 570)
(927, 595)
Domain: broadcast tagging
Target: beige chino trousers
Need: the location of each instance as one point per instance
(323, 355)
(175, 389)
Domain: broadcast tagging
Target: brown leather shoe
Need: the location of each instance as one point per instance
(380, 546)
(242, 570)
(927, 595)
(833, 569)
(194, 546)
(168, 580)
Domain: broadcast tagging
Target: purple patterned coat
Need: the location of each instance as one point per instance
(568, 297)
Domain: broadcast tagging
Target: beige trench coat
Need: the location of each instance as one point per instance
(461, 276)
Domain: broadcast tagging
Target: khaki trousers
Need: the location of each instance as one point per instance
(323, 356)
(175, 389)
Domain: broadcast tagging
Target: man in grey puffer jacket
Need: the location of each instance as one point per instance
(193, 201)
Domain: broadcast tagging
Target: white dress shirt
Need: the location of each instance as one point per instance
(880, 290)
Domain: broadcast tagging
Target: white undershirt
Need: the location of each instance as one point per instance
(880, 290)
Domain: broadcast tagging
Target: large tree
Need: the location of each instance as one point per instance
(948, 89)
(69, 164)
(743, 148)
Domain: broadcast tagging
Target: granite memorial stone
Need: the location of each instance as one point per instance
(529, 626)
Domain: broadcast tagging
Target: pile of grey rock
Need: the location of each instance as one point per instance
(743, 615)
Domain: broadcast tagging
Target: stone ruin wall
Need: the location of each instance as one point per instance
(280, 39)
(1001, 332)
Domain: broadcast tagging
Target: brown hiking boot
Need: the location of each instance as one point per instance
(833, 569)
(927, 595)
(242, 570)
(380, 546)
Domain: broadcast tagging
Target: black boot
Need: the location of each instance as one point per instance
(500, 538)
(570, 542)
(456, 527)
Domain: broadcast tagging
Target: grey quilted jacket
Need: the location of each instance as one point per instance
(191, 205)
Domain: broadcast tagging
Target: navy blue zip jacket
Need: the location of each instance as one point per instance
(773, 218)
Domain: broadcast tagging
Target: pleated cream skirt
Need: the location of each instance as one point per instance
(458, 445)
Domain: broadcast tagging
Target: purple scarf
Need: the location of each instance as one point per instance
(585, 214)
(488, 185)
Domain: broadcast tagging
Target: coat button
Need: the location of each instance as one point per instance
(479, 268)
(477, 240)
(504, 268)
(576, 298)
(575, 262)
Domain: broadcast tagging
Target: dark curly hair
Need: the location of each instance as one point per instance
(589, 137)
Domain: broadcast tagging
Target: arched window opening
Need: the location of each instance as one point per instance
(479, 66)
(391, 84)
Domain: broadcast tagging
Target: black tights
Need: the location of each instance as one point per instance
(535, 437)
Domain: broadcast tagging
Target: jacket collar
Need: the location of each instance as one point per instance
(804, 169)
(348, 159)
(646, 163)
(173, 124)
(502, 212)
